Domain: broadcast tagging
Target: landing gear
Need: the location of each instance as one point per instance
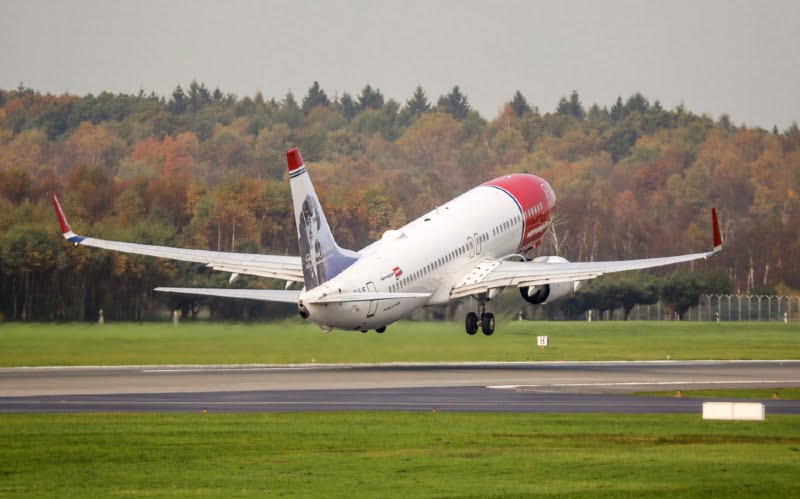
(486, 321)
(471, 323)
(380, 329)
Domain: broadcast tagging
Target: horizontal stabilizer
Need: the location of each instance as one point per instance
(276, 295)
(350, 297)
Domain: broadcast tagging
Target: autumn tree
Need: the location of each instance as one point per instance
(207, 170)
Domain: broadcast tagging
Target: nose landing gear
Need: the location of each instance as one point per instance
(486, 321)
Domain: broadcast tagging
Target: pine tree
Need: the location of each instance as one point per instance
(418, 103)
(178, 103)
(519, 104)
(348, 105)
(315, 97)
(369, 98)
(575, 106)
(455, 103)
(636, 103)
(199, 96)
(725, 122)
(617, 110)
(289, 112)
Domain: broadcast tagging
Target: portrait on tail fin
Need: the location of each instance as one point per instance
(312, 251)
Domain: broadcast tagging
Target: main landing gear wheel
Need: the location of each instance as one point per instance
(471, 323)
(487, 324)
(380, 329)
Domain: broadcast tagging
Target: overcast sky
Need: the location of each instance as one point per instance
(716, 57)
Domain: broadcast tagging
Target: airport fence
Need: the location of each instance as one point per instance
(718, 308)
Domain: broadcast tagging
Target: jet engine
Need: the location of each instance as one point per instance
(548, 293)
(302, 310)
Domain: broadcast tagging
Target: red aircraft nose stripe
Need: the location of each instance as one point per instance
(528, 192)
(525, 189)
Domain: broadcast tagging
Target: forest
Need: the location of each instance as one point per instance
(205, 169)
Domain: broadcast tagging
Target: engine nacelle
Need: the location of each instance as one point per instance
(302, 310)
(548, 293)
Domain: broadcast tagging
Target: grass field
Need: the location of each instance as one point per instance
(298, 342)
(753, 394)
(397, 454)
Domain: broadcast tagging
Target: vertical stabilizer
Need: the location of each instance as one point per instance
(323, 259)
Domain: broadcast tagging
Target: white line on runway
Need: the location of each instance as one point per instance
(231, 369)
(404, 364)
(644, 383)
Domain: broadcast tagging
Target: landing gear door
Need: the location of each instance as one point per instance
(373, 304)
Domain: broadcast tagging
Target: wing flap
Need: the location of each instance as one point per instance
(351, 297)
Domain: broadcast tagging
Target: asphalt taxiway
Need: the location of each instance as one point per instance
(506, 387)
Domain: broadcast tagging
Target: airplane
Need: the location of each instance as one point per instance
(473, 245)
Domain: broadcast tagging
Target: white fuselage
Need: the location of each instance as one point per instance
(433, 253)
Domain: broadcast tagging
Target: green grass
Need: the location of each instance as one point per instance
(298, 342)
(397, 454)
(755, 394)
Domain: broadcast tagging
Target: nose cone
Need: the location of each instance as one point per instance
(528, 191)
(550, 194)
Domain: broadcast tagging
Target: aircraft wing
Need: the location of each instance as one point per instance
(290, 296)
(492, 274)
(276, 295)
(287, 268)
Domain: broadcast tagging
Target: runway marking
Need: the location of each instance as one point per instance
(435, 403)
(643, 383)
(236, 369)
(172, 367)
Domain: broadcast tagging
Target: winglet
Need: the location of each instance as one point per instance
(62, 219)
(715, 227)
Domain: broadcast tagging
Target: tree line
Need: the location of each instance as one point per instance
(205, 169)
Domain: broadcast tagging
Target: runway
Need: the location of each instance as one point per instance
(481, 387)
